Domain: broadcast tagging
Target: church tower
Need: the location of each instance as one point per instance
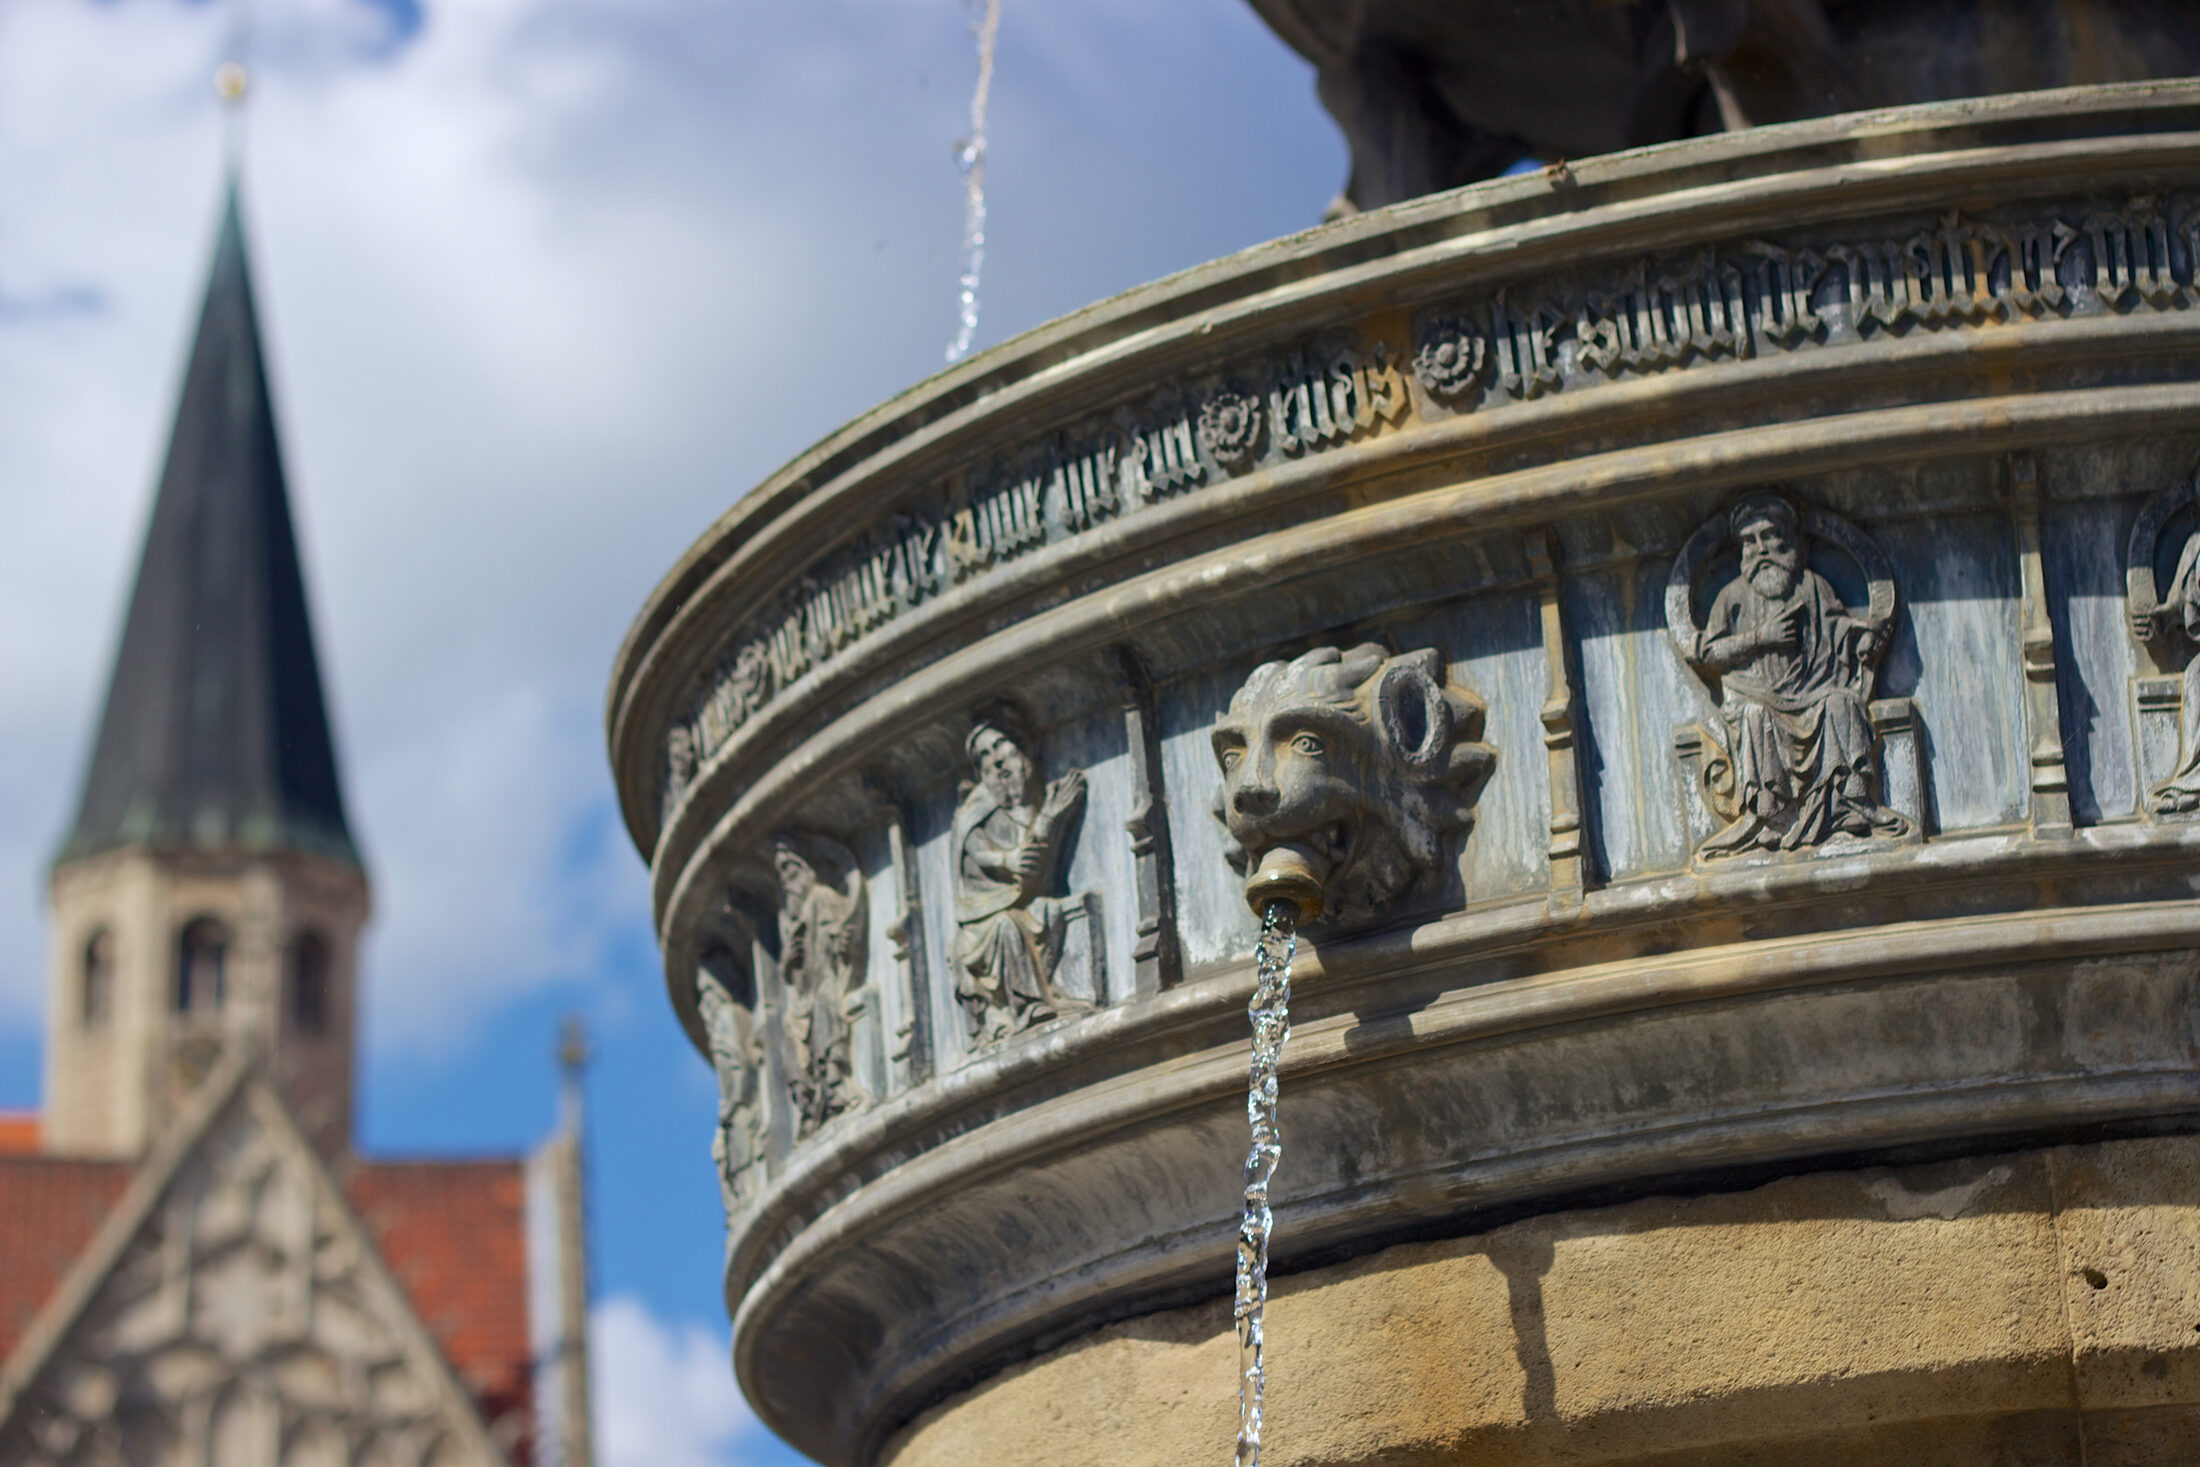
(209, 890)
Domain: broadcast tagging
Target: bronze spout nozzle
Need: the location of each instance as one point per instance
(1288, 874)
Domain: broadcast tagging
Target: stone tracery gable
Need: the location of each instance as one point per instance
(247, 1322)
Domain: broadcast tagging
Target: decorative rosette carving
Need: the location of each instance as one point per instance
(1451, 357)
(1230, 427)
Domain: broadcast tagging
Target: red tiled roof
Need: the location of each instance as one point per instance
(18, 1132)
(455, 1235)
(49, 1208)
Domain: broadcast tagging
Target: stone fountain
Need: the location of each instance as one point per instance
(1714, 627)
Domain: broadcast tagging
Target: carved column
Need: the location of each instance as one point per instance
(2042, 707)
(1156, 961)
(916, 1048)
(1568, 868)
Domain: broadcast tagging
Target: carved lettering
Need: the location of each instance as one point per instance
(2131, 259)
(1677, 318)
(1786, 287)
(1527, 355)
(1736, 303)
(1165, 460)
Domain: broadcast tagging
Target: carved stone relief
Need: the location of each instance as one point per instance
(1792, 760)
(823, 941)
(679, 769)
(1009, 833)
(1362, 766)
(2158, 615)
(1521, 341)
(737, 1055)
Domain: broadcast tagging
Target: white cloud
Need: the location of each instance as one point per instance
(665, 1397)
(547, 285)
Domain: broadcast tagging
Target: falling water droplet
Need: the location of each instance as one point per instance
(970, 161)
(1270, 1011)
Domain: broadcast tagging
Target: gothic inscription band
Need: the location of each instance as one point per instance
(1520, 342)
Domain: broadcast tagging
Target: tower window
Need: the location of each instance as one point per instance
(201, 960)
(97, 995)
(309, 984)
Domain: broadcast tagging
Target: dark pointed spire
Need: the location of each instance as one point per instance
(215, 735)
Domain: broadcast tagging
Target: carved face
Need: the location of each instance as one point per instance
(1293, 775)
(1354, 762)
(796, 878)
(1003, 768)
(1771, 558)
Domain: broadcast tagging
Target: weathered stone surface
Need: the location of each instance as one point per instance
(1480, 431)
(1946, 1313)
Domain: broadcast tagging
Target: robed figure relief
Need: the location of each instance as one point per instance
(823, 922)
(1008, 836)
(737, 1055)
(2172, 612)
(1793, 761)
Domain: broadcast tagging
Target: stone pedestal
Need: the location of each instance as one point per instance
(2027, 1307)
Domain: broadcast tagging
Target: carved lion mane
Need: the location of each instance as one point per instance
(1364, 764)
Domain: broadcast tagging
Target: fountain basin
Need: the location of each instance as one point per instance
(1502, 452)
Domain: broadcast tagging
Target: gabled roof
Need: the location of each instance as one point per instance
(230, 1299)
(49, 1209)
(215, 735)
(19, 1133)
(455, 1235)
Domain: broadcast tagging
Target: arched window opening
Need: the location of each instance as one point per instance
(97, 992)
(203, 956)
(308, 984)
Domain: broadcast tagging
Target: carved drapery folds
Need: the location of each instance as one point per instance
(2158, 616)
(1009, 833)
(736, 1036)
(1363, 764)
(823, 927)
(1792, 758)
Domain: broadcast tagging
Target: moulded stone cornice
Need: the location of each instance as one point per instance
(1397, 463)
(1850, 167)
(1188, 1094)
(686, 875)
(1110, 1047)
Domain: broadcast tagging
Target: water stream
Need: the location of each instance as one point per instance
(1270, 1011)
(970, 158)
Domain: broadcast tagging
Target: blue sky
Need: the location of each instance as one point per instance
(548, 284)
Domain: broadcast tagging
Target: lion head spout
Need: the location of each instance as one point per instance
(1358, 766)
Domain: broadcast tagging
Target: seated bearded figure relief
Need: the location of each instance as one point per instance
(1357, 767)
(1792, 761)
